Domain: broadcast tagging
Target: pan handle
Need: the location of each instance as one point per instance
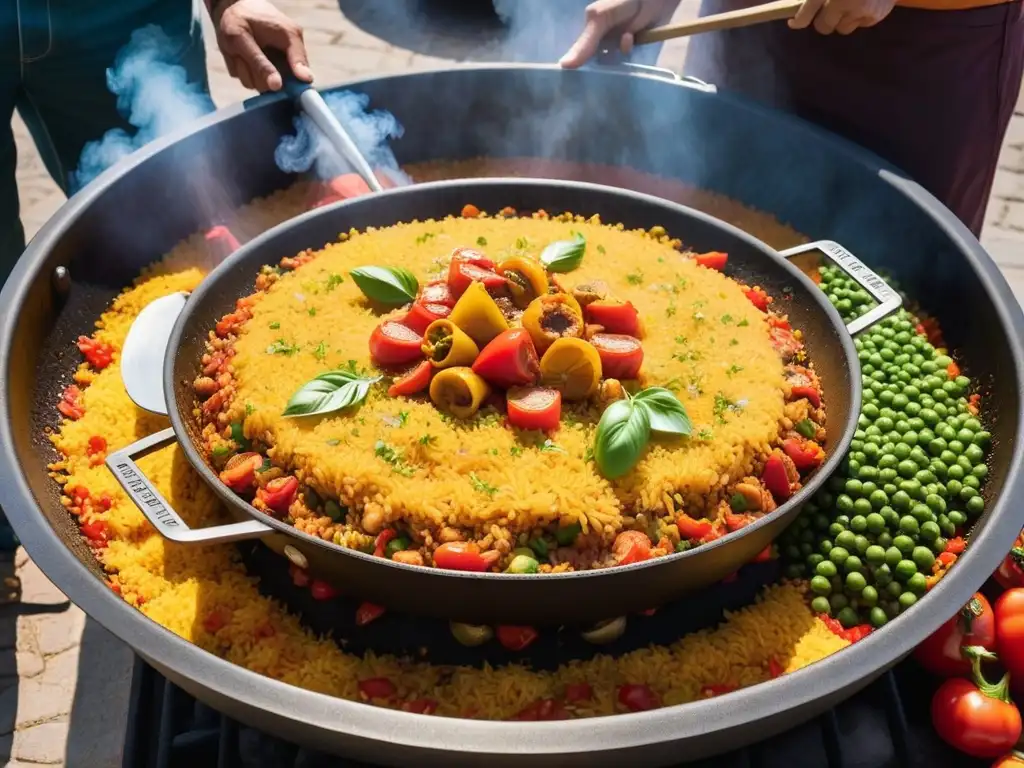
(155, 507)
(608, 62)
(889, 300)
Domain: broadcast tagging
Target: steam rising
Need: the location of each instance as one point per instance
(153, 95)
(309, 149)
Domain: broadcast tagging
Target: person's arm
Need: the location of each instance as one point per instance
(244, 28)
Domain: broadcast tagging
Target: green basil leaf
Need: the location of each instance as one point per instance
(388, 285)
(664, 411)
(329, 392)
(564, 255)
(622, 435)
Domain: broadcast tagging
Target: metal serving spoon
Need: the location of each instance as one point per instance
(142, 357)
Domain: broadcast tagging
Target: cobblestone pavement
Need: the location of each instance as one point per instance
(63, 680)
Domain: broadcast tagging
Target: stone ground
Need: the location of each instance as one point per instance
(64, 680)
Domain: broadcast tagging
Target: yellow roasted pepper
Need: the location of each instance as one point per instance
(552, 317)
(573, 367)
(476, 313)
(526, 278)
(446, 345)
(458, 391)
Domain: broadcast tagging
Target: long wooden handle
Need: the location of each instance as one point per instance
(758, 14)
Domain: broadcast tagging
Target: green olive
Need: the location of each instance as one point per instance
(471, 635)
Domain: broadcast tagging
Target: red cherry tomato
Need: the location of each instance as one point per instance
(392, 343)
(240, 472)
(367, 612)
(621, 355)
(469, 266)
(693, 530)
(543, 709)
(279, 493)
(377, 688)
(614, 316)
(631, 547)
(975, 716)
(421, 315)
(515, 638)
(463, 556)
(415, 381)
(712, 260)
(638, 697)
(806, 454)
(534, 408)
(508, 360)
(437, 292)
(974, 624)
(1009, 611)
(1010, 573)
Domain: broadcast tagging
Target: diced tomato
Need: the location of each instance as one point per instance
(437, 292)
(735, 522)
(515, 638)
(631, 547)
(618, 317)
(758, 298)
(534, 408)
(638, 697)
(279, 493)
(105, 501)
(215, 621)
(393, 344)
(621, 355)
(420, 706)
(97, 532)
(263, 630)
(380, 545)
(812, 395)
(415, 381)
(367, 612)
(709, 691)
(712, 260)
(775, 669)
(543, 709)
(953, 370)
(97, 445)
(377, 688)
(462, 556)
(221, 242)
(96, 353)
(956, 545)
(778, 321)
(775, 478)
(71, 403)
(300, 576)
(693, 530)
(508, 360)
(422, 315)
(240, 472)
(321, 590)
(806, 454)
(578, 692)
(784, 342)
(946, 559)
(470, 211)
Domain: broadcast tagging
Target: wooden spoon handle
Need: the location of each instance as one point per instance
(758, 14)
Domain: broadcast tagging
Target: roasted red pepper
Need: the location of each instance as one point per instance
(631, 547)
(712, 260)
(638, 697)
(534, 408)
(508, 360)
(812, 395)
(469, 266)
(693, 530)
(367, 612)
(377, 688)
(240, 472)
(96, 353)
(758, 298)
(956, 545)
(421, 315)
(463, 556)
(380, 546)
(515, 638)
(393, 343)
(415, 381)
(775, 478)
(621, 355)
(614, 316)
(806, 454)
(279, 493)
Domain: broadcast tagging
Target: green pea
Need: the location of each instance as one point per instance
(909, 526)
(975, 505)
(980, 471)
(843, 520)
(875, 554)
(907, 468)
(852, 563)
(894, 554)
(974, 453)
(540, 546)
(901, 500)
(846, 539)
(894, 589)
(861, 544)
(844, 503)
(918, 584)
(855, 582)
(922, 513)
(902, 452)
(877, 617)
(930, 531)
(972, 482)
(854, 487)
(884, 539)
(826, 568)
(982, 438)
(522, 564)
(813, 560)
(923, 558)
(838, 601)
(862, 508)
(821, 586)
(835, 529)
(883, 575)
(956, 517)
(397, 544)
(820, 605)
(905, 569)
(869, 596)
(875, 521)
(838, 555)
(859, 523)
(847, 617)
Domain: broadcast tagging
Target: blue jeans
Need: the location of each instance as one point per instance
(53, 60)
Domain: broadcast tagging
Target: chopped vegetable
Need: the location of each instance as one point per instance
(96, 353)
(321, 590)
(615, 317)
(566, 535)
(393, 343)
(469, 266)
(806, 455)
(638, 697)
(515, 638)
(476, 313)
(463, 556)
(693, 530)
(758, 298)
(421, 315)
(415, 381)
(812, 395)
(367, 612)
(573, 367)
(446, 345)
(470, 211)
(552, 317)
(712, 260)
(526, 279)
(509, 360)
(458, 391)
(470, 635)
(437, 292)
(621, 355)
(380, 544)
(279, 493)
(522, 564)
(631, 547)
(534, 408)
(775, 478)
(239, 473)
(377, 688)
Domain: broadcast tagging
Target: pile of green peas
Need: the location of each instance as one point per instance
(868, 540)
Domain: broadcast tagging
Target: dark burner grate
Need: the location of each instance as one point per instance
(884, 726)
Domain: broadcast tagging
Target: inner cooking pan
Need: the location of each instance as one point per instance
(500, 597)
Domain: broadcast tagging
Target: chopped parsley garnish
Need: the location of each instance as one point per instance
(681, 340)
(522, 242)
(673, 385)
(274, 326)
(394, 458)
(698, 317)
(551, 446)
(481, 240)
(312, 311)
(427, 439)
(681, 282)
(743, 323)
(282, 347)
(705, 434)
(250, 409)
(724, 405)
(635, 278)
(600, 249)
(481, 485)
(589, 454)
(320, 353)
(733, 369)
(516, 450)
(424, 237)
(670, 310)
(403, 416)
(726, 319)
(733, 342)
(334, 280)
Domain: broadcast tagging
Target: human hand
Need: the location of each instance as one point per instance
(842, 16)
(623, 16)
(244, 28)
